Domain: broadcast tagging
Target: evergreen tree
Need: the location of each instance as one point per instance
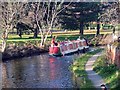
(78, 14)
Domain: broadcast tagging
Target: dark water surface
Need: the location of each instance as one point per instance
(41, 71)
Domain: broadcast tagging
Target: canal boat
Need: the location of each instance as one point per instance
(67, 47)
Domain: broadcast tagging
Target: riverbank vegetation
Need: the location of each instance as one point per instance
(22, 50)
(29, 46)
(14, 40)
(78, 69)
(109, 72)
(71, 35)
(21, 44)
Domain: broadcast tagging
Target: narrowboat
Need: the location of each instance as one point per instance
(67, 47)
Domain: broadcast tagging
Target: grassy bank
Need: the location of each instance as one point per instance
(109, 73)
(78, 68)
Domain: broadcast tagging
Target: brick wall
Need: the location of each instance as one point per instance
(117, 57)
(113, 55)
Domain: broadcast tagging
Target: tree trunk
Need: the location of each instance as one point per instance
(3, 45)
(42, 40)
(114, 30)
(5, 34)
(81, 28)
(98, 28)
(4, 37)
(20, 33)
(35, 33)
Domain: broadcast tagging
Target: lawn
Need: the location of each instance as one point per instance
(60, 35)
(14, 37)
(0, 41)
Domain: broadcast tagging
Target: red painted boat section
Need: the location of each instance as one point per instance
(67, 47)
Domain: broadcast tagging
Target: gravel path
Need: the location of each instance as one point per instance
(93, 76)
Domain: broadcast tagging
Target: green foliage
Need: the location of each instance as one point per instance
(107, 26)
(87, 12)
(110, 73)
(78, 68)
(69, 23)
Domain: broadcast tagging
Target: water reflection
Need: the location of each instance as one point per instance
(52, 68)
(41, 71)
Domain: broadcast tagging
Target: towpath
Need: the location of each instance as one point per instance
(93, 76)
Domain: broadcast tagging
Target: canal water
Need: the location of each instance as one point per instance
(42, 71)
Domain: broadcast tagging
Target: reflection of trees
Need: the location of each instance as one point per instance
(18, 70)
(13, 73)
(4, 76)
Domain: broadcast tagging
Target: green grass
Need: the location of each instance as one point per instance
(75, 32)
(0, 41)
(109, 73)
(78, 68)
(25, 39)
(71, 35)
(16, 39)
(13, 37)
(74, 37)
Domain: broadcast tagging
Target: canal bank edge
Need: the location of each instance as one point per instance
(78, 69)
(19, 52)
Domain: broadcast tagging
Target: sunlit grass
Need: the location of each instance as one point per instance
(109, 73)
(61, 36)
(78, 68)
(85, 32)
(0, 41)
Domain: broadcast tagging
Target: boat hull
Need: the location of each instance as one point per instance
(66, 48)
(55, 51)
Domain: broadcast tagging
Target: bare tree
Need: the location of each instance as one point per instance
(9, 14)
(45, 16)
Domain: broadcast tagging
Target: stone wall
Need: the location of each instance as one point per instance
(113, 55)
